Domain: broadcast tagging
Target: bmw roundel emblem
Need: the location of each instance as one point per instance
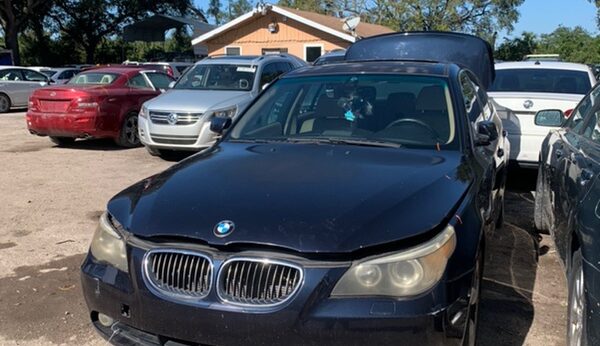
(173, 118)
(224, 228)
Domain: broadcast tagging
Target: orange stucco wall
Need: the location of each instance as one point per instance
(254, 35)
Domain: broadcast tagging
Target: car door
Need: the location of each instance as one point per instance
(159, 81)
(33, 80)
(141, 89)
(12, 83)
(567, 162)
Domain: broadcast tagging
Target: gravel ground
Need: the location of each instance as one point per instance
(50, 199)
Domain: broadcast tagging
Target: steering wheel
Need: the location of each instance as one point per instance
(406, 121)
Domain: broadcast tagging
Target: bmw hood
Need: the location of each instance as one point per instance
(311, 198)
(196, 100)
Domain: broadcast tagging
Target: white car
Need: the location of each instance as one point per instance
(521, 89)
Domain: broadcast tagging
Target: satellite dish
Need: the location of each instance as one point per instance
(350, 24)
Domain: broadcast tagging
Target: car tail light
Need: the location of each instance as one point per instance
(83, 104)
(169, 71)
(34, 104)
(568, 113)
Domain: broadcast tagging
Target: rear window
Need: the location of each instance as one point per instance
(542, 80)
(94, 78)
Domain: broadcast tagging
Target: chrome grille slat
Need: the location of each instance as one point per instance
(178, 273)
(277, 281)
(182, 118)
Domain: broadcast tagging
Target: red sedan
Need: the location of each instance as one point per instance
(100, 103)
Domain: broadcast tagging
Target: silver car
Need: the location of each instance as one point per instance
(214, 87)
(17, 84)
(61, 75)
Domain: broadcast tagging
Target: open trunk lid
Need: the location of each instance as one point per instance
(467, 51)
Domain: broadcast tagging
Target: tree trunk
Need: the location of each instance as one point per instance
(90, 52)
(12, 43)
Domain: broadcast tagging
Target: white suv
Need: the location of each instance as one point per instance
(523, 88)
(220, 86)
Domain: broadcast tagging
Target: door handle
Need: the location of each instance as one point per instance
(558, 153)
(586, 176)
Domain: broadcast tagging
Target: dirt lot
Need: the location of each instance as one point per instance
(50, 199)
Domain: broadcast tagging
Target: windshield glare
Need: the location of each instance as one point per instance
(218, 77)
(94, 78)
(404, 109)
(542, 80)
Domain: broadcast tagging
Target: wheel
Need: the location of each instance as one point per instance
(538, 211)
(576, 327)
(470, 338)
(128, 137)
(62, 141)
(4, 103)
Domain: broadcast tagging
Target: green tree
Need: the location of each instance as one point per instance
(517, 48)
(330, 7)
(214, 10)
(237, 8)
(573, 44)
(90, 22)
(14, 17)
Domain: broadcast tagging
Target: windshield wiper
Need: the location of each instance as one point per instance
(347, 141)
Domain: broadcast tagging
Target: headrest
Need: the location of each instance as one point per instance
(431, 98)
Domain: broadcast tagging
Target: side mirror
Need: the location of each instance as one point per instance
(550, 118)
(171, 85)
(487, 132)
(219, 125)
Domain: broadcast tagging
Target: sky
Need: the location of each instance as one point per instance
(537, 16)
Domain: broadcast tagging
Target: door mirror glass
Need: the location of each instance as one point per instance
(550, 118)
(219, 125)
(487, 132)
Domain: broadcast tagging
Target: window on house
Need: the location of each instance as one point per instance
(233, 51)
(311, 53)
(267, 51)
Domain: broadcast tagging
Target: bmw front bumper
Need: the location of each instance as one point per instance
(311, 316)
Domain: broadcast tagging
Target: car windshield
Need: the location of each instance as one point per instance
(378, 110)
(542, 81)
(94, 78)
(218, 77)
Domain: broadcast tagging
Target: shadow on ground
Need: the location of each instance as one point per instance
(512, 254)
(44, 302)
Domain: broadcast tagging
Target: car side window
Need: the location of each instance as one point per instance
(138, 82)
(10, 75)
(272, 71)
(67, 74)
(470, 97)
(159, 80)
(576, 121)
(591, 130)
(34, 76)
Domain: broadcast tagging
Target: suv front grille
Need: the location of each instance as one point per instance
(258, 282)
(178, 273)
(181, 118)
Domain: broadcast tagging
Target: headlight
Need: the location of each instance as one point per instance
(108, 244)
(407, 273)
(143, 112)
(225, 112)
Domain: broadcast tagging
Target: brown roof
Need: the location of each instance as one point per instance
(363, 29)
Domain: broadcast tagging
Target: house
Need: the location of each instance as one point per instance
(271, 29)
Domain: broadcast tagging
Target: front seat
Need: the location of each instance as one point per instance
(432, 109)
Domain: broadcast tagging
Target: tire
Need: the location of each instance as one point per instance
(62, 141)
(577, 311)
(470, 338)
(4, 103)
(128, 136)
(538, 210)
(154, 151)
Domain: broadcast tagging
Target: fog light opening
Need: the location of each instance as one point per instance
(105, 320)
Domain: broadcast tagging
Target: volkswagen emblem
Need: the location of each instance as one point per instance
(528, 104)
(224, 228)
(52, 94)
(172, 118)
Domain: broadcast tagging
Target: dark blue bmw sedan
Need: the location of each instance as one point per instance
(347, 205)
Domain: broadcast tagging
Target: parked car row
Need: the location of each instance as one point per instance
(347, 203)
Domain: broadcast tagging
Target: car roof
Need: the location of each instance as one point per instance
(243, 59)
(378, 67)
(118, 70)
(560, 65)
